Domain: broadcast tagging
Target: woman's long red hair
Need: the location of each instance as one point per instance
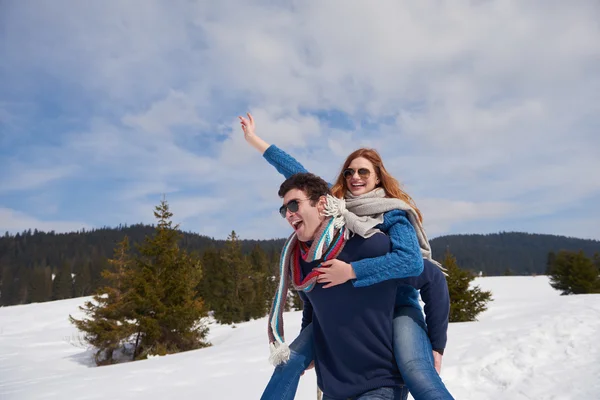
(389, 184)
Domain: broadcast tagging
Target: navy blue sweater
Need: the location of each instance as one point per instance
(353, 327)
(434, 293)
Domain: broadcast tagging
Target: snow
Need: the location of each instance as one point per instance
(530, 344)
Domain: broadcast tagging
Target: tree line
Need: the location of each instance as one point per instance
(42, 266)
(153, 296)
(508, 253)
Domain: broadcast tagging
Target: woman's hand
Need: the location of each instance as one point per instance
(335, 272)
(248, 126)
(249, 129)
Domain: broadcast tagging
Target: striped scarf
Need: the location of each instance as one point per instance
(329, 242)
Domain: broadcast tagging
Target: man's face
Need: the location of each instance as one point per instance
(307, 219)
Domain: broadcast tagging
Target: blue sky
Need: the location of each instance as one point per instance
(487, 112)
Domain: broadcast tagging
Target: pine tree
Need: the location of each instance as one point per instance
(167, 308)
(212, 287)
(23, 284)
(83, 282)
(260, 303)
(8, 293)
(109, 324)
(39, 285)
(236, 273)
(465, 302)
(62, 285)
(550, 261)
(574, 273)
(151, 306)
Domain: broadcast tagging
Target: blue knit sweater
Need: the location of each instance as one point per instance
(403, 261)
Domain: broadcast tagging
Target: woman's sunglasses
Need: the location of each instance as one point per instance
(364, 173)
(292, 205)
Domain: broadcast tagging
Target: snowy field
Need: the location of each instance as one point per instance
(530, 344)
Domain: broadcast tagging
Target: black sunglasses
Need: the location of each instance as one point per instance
(292, 205)
(364, 173)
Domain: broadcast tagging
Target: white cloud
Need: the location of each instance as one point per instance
(177, 109)
(483, 109)
(21, 177)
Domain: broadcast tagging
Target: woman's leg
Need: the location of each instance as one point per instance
(412, 349)
(285, 378)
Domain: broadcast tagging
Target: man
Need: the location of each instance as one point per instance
(352, 327)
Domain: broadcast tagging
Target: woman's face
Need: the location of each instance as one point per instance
(360, 176)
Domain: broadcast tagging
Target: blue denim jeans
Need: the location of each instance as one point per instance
(285, 378)
(384, 393)
(414, 356)
(413, 353)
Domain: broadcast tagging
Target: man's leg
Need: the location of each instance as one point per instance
(285, 378)
(412, 349)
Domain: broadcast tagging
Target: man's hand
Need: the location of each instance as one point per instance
(437, 361)
(310, 366)
(335, 272)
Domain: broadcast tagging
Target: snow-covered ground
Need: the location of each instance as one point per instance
(530, 344)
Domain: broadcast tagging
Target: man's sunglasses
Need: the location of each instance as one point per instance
(364, 173)
(292, 205)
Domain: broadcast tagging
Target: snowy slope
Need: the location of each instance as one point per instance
(530, 344)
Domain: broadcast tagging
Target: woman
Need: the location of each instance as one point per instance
(364, 177)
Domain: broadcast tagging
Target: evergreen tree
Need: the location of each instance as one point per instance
(109, 324)
(83, 282)
(23, 284)
(150, 305)
(166, 306)
(574, 273)
(550, 261)
(465, 302)
(212, 287)
(40, 287)
(62, 285)
(261, 277)
(235, 273)
(8, 293)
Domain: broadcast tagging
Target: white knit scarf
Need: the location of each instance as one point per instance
(361, 214)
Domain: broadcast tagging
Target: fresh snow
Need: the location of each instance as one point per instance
(530, 344)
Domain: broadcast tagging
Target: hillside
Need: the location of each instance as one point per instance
(514, 252)
(29, 259)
